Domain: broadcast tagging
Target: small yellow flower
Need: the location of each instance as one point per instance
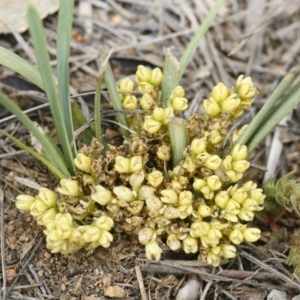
(236, 236)
(246, 215)
(135, 164)
(211, 107)
(123, 193)
(64, 226)
(240, 166)
(231, 103)
(135, 207)
(164, 153)
(228, 251)
(221, 199)
(214, 137)
(179, 104)
(104, 223)
(199, 229)
(126, 85)
(69, 187)
(129, 102)
(213, 162)
(47, 217)
(151, 125)
(101, 195)
(198, 146)
(185, 211)
(24, 202)
(171, 212)
(213, 182)
(105, 239)
(220, 92)
(147, 102)
(185, 198)
(122, 164)
(153, 251)
(83, 162)
(245, 87)
(155, 178)
(178, 91)
(156, 77)
(38, 208)
(239, 152)
(47, 196)
(173, 242)
(169, 196)
(190, 245)
(204, 210)
(143, 74)
(251, 234)
(136, 179)
(213, 259)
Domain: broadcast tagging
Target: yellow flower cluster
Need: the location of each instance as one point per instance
(197, 205)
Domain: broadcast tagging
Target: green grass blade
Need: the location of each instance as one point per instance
(20, 66)
(194, 43)
(65, 17)
(171, 77)
(264, 114)
(43, 59)
(39, 157)
(112, 90)
(179, 140)
(52, 151)
(288, 103)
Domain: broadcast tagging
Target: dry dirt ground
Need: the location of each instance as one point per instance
(257, 38)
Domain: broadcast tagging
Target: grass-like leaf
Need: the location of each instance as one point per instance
(171, 77)
(65, 17)
(179, 140)
(194, 43)
(112, 90)
(43, 59)
(53, 152)
(41, 158)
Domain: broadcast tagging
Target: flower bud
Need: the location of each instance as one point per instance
(202, 157)
(83, 162)
(250, 204)
(153, 203)
(146, 192)
(239, 196)
(164, 152)
(213, 162)
(122, 164)
(230, 217)
(214, 137)
(126, 85)
(185, 198)
(239, 152)
(190, 245)
(228, 251)
(47, 196)
(199, 229)
(220, 92)
(156, 77)
(158, 114)
(240, 166)
(198, 146)
(136, 179)
(169, 112)
(155, 178)
(213, 182)
(204, 210)
(246, 215)
(69, 187)
(146, 88)
(147, 102)
(38, 208)
(87, 179)
(169, 196)
(221, 199)
(227, 162)
(24, 202)
(251, 234)
(199, 184)
(233, 176)
(257, 195)
(151, 125)
(129, 102)
(89, 233)
(179, 104)
(105, 239)
(211, 107)
(135, 164)
(213, 259)
(123, 193)
(173, 242)
(135, 207)
(189, 165)
(153, 251)
(64, 225)
(178, 91)
(101, 195)
(171, 212)
(143, 74)
(185, 211)
(146, 235)
(236, 236)
(214, 234)
(104, 223)
(47, 217)
(245, 87)
(232, 207)
(231, 103)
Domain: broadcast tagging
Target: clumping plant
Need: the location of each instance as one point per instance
(194, 202)
(172, 181)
